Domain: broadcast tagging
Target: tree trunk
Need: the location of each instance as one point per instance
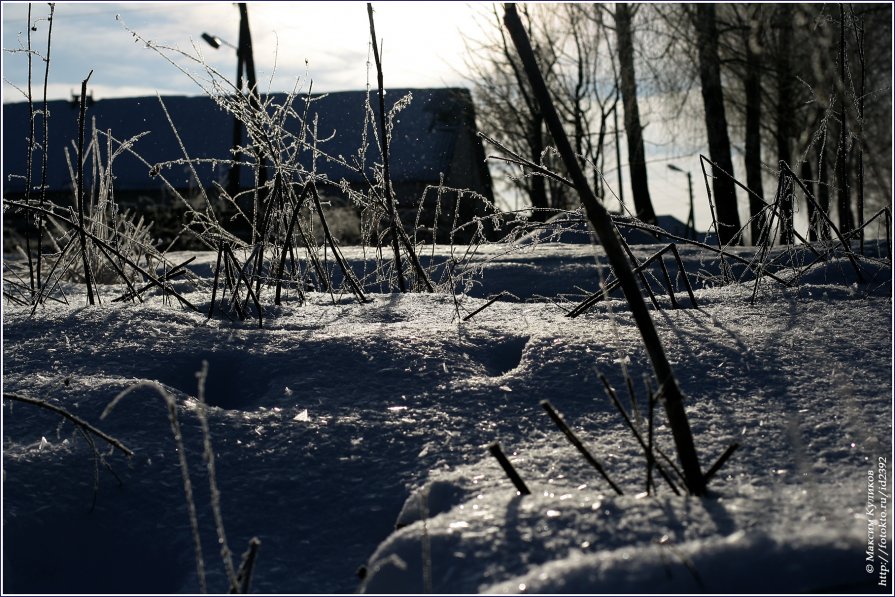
(846, 219)
(538, 190)
(807, 175)
(716, 124)
(636, 155)
(785, 114)
(859, 167)
(823, 191)
(752, 86)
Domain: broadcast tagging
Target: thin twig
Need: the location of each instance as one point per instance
(44, 292)
(244, 576)
(174, 272)
(720, 462)
(45, 147)
(646, 449)
(131, 291)
(105, 245)
(242, 276)
(343, 265)
(683, 272)
(217, 274)
(493, 300)
(507, 466)
(288, 243)
(88, 277)
(184, 465)
(599, 295)
(674, 304)
(28, 161)
(208, 453)
(573, 439)
(845, 244)
(708, 190)
(81, 423)
(650, 457)
(387, 183)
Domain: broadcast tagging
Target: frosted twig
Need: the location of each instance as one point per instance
(202, 377)
(184, 465)
(79, 422)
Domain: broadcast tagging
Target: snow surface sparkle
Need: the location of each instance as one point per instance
(329, 419)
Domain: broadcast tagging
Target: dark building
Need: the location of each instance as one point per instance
(433, 141)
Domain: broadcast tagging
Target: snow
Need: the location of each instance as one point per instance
(352, 435)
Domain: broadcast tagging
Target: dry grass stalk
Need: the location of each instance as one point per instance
(720, 462)
(598, 296)
(573, 439)
(108, 248)
(384, 137)
(78, 421)
(184, 465)
(647, 448)
(88, 276)
(602, 223)
(508, 468)
(490, 302)
(208, 453)
(244, 575)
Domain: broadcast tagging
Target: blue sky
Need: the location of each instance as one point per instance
(423, 46)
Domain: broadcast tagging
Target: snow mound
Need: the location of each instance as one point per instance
(564, 539)
(744, 562)
(430, 500)
(338, 422)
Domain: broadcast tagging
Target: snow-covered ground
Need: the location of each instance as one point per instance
(338, 422)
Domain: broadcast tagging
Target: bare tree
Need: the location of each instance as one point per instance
(785, 113)
(570, 41)
(588, 89)
(643, 206)
(506, 109)
(723, 185)
(846, 218)
(752, 87)
(816, 81)
(794, 83)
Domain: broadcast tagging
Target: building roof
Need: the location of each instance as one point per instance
(423, 141)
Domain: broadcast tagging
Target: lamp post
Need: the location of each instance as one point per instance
(618, 162)
(244, 59)
(691, 219)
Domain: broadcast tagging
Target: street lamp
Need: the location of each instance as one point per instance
(691, 219)
(216, 42)
(244, 58)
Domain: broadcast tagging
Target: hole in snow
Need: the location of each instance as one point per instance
(498, 356)
(228, 386)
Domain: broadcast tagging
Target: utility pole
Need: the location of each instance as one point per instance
(245, 63)
(245, 60)
(691, 219)
(618, 161)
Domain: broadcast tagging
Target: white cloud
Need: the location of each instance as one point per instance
(422, 43)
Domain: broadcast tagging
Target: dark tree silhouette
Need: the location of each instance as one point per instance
(723, 186)
(785, 113)
(634, 131)
(752, 89)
